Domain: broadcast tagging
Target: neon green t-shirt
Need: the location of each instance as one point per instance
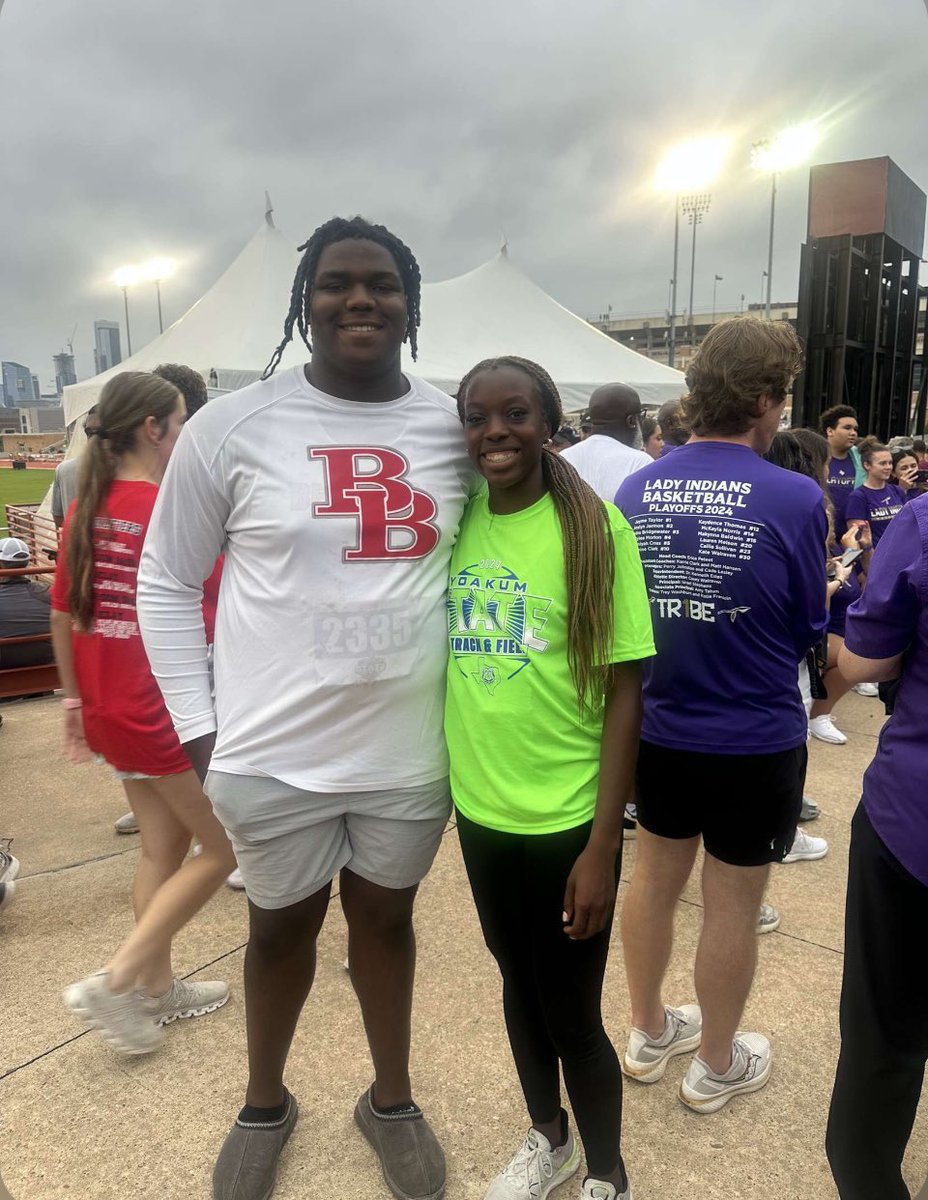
(522, 759)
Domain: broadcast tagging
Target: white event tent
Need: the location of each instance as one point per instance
(230, 333)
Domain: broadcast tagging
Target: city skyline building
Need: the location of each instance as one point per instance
(107, 351)
(20, 386)
(65, 374)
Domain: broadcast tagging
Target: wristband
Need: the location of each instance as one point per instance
(70, 702)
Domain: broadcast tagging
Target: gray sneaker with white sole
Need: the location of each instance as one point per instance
(646, 1058)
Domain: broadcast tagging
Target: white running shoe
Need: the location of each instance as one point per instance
(866, 689)
(646, 1059)
(826, 730)
(127, 823)
(596, 1189)
(123, 1019)
(806, 848)
(768, 919)
(183, 1000)
(536, 1169)
(235, 881)
(751, 1057)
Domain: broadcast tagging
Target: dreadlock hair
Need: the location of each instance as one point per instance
(125, 403)
(342, 229)
(589, 551)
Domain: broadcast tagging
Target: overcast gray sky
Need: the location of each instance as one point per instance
(131, 130)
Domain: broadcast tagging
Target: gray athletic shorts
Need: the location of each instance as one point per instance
(289, 843)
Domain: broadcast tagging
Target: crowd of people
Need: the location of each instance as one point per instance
(257, 612)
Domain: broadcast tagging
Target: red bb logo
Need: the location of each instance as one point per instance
(395, 520)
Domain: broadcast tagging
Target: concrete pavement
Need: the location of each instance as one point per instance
(78, 1121)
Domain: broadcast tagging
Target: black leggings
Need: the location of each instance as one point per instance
(884, 1021)
(552, 987)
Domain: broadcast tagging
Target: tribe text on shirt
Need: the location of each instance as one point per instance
(522, 759)
(337, 520)
(733, 550)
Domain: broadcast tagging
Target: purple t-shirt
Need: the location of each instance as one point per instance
(841, 476)
(891, 618)
(877, 506)
(841, 601)
(733, 550)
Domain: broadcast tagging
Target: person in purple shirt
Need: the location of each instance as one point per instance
(733, 550)
(884, 997)
(839, 425)
(876, 501)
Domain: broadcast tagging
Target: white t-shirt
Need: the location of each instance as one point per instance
(605, 463)
(337, 520)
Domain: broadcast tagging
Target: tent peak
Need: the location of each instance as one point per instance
(269, 210)
(503, 244)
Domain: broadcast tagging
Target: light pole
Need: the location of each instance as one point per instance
(155, 271)
(765, 275)
(788, 149)
(124, 278)
(715, 283)
(695, 207)
(687, 166)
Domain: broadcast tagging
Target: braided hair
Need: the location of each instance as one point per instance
(341, 229)
(589, 551)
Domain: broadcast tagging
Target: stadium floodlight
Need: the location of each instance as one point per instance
(689, 167)
(124, 278)
(154, 272)
(790, 148)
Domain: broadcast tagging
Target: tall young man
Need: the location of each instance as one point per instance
(335, 491)
(733, 550)
(839, 425)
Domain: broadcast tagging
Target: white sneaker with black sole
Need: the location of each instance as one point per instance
(646, 1058)
(704, 1092)
(826, 730)
(536, 1169)
(806, 848)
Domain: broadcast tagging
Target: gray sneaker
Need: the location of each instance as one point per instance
(646, 1059)
(411, 1158)
(9, 866)
(704, 1092)
(768, 919)
(246, 1168)
(535, 1169)
(185, 1000)
(7, 891)
(127, 823)
(123, 1019)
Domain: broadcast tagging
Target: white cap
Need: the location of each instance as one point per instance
(14, 552)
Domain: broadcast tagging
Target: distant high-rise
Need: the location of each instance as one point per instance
(18, 386)
(106, 350)
(65, 374)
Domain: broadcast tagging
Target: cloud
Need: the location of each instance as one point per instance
(155, 130)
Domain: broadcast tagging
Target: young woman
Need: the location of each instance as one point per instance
(652, 438)
(113, 708)
(877, 500)
(905, 471)
(548, 621)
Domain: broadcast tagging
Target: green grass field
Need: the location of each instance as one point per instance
(22, 487)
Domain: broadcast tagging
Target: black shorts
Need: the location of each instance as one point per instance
(745, 806)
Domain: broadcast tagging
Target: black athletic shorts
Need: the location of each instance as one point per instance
(745, 806)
